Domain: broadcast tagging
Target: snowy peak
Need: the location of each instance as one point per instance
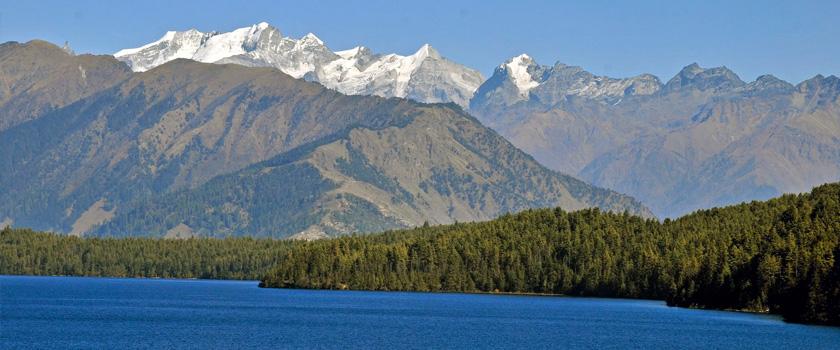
(209, 47)
(520, 69)
(425, 76)
(523, 79)
(512, 82)
(522, 60)
(165, 39)
(171, 46)
(311, 40)
(356, 52)
(237, 42)
(427, 51)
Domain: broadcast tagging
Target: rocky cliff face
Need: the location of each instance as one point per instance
(424, 76)
(703, 139)
(188, 148)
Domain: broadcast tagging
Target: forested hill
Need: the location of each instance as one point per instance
(26, 252)
(776, 256)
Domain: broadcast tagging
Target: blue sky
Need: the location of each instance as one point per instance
(793, 40)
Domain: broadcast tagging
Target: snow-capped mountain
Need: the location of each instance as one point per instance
(424, 76)
(521, 78)
(511, 82)
(704, 138)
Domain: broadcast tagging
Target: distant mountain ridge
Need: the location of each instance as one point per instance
(700, 139)
(49, 82)
(424, 76)
(521, 78)
(705, 138)
(194, 149)
(640, 135)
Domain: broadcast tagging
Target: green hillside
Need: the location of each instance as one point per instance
(776, 256)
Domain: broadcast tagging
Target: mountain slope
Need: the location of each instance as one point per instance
(176, 128)
(424, 76)
(37, 77)
(703, 139)
(172, 127)
(439, 166)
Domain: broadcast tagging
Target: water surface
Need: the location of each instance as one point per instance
(106, 313)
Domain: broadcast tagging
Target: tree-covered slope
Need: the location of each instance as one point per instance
(26, 252)
(779, 256)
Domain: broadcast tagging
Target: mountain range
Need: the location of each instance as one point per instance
(704, 138)
(425, 76)
(196, 149)
(252, 132)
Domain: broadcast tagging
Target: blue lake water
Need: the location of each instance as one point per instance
(105, 313)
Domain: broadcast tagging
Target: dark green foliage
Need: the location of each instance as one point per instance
(24, 252)
(265, 202)
(777, 256)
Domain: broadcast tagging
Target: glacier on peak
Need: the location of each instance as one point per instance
(425, 76)
(311, 39)
(521, 78)
(354, 52)
(517, 69)
(360, 72)
(171, 46)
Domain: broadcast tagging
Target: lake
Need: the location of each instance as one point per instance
(108, 313)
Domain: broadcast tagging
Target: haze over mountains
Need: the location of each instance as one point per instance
(703, 138)
(190, 148)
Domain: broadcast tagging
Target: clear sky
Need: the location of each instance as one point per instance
(793, 40)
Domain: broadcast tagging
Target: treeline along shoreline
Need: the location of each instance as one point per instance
(778, 256)
(26, 252)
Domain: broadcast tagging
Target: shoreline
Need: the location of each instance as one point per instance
(134, 277)
(555, 295)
